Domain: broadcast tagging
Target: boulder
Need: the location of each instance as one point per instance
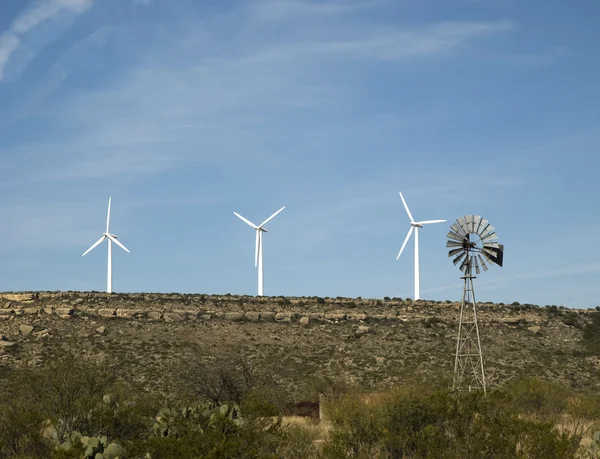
(535, 329)
(283, 317)
(107, 312)
(171, 317)
(357, 317)
(234, 316)
(362, 330)
(31, 311)
(42, 333)
(252, 316)
(335, 316)
(304, 320)
(49, 309)
(65, 313)
(125, 313)
(155, 315)
(101, 329)
(267, 316)
(25, 330)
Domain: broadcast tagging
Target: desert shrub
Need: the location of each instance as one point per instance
(591, 335)
(298, 442)
(416, 423)
(65, 392)
(20, 431)
(218, 436)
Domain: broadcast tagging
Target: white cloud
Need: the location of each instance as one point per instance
(385, 45)
(8, 43)
(39, 12)
(273, 10)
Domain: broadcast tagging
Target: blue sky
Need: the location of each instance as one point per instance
(184, 111)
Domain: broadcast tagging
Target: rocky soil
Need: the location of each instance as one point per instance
(155, 340)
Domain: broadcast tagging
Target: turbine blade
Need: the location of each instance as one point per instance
(114, 239)
(412, 220)
(270, 218)
(245, 220)
(405, 241)
(428, 222)
(454, 244)
(108, 215)
(256, 248)
(93, 246)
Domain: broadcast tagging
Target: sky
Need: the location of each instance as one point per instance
(185, 111)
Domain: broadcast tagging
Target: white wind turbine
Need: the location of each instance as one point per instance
(258, 251)
(415, 226)
(110, 238)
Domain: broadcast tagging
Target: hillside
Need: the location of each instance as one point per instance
(160, 341)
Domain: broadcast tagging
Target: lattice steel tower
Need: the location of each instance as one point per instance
(472, 242)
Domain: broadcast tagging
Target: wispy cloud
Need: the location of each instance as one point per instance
(39, 12)
(274, 10)
(384, 44)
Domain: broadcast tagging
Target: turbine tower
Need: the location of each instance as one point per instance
(415, 226)
(258, 251)
(110, 238)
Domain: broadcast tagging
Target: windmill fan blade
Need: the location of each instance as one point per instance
(476, 265)
(460, 257)
(454, 244)
(114, 239)
(270, 218)
(490, 237)
(456, 237)
(489, 245)
(483, 265)
(412, 220)
(256, 248)
(245, 220)
(483, 229)
(94, 245)
(489, 252)
(477, 223)
(457, 229)
(453, 252)
(482, 225)
(469, 219)
(405, 241)
(487, 231)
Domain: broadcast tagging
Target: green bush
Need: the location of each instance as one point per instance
(416, 423)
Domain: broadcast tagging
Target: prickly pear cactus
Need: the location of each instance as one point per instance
(171, 421)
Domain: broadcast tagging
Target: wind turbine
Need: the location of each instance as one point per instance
(258, 251)
(110, 238)
(415, 226)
